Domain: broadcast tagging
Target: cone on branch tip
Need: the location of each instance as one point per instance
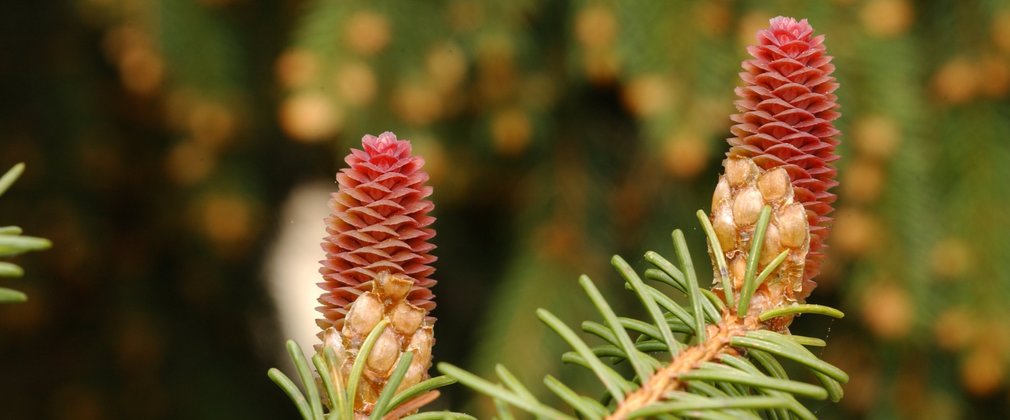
(379, 222)
(781, 158)
(786, 109)
(378, 267)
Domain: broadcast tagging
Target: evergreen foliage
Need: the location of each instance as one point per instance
(13, 243)
(687, 358)
(159, 137)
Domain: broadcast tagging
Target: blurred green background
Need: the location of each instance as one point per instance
(163, 139)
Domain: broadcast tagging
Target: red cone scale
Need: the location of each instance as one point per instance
(784, 120)
(379, 222)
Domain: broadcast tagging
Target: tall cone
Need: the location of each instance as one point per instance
(377, 267)
(379, 222)
(784, 120)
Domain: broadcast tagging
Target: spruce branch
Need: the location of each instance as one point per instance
(669, 378)
(765, 235)
(13, 243)
(717, 356)
(734, 371)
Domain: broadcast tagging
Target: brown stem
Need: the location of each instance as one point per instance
(666, 379)
(411, 405)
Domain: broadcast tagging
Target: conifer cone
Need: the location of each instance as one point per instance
(379, 223)
(743, 190)
(784, 120)
(409, 329)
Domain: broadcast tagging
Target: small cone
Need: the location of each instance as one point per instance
(409, 329)
(743, 190)
(379, 222)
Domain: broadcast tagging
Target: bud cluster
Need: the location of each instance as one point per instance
(409, 329)
(743, 190)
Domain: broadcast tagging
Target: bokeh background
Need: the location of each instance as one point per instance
(179, 153)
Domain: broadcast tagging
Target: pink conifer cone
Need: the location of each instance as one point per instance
(379, 222)
(786, 109)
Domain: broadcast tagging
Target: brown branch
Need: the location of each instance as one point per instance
(666, 379)
(411, 405)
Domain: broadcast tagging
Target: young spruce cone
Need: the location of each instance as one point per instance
(378, 265)
(379, 223)
(743, 190)
(786, 109)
